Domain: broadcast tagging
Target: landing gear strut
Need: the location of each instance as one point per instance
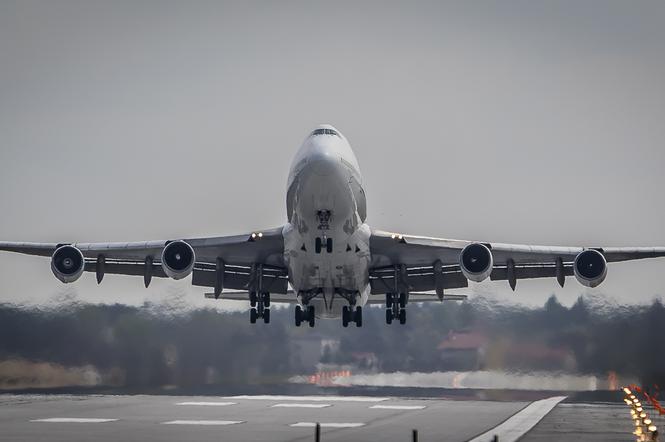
(259, 303)
(308, 315)
(396, 307)
(349, 315)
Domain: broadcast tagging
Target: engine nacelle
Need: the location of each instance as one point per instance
(178, 259)
(590, 268)
(67, 263)
(476, 262)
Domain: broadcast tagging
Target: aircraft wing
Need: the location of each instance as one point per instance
(412, 261)
(241, 254)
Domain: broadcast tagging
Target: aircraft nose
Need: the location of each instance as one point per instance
(324, 165)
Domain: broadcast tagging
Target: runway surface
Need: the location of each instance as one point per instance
(245, 418)
(292, 418)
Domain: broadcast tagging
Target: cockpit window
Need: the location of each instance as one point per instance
(325, 132)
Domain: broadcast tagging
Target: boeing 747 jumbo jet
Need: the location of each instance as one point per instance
(334, 262)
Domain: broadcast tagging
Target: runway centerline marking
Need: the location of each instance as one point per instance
(297, 405)
(74, 420)
(201, 422)
(207, 404)
(519, 423)
(311, 398)
(398, 407)
(329, 424)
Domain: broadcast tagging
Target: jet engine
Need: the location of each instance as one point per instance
(178, 259)
(590, 268)
(476, 262)
(67, 263)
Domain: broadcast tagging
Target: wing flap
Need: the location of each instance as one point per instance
(238, 277)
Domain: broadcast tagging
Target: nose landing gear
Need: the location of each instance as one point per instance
(259, 303)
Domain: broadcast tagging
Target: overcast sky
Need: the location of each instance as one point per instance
(527, 122)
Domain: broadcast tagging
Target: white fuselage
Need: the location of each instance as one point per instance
(326, 240)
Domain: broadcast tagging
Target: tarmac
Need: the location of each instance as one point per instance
(29, 417)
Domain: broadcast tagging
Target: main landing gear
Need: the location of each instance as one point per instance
(349, 315)
(260, 303)
(307, 315)
(396, 307)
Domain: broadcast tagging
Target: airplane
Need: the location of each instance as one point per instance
(327, 253)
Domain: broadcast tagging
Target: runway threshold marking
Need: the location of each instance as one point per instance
(519, 423)
(207, 404)
(329, 424)
(312, 398)
(74, 420)
(200, 422)
(398, 407)
(297, 405)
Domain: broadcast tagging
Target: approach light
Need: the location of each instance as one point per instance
(652, 428)
(643, 415)
(626, 390)
(647, 421)
(639, 409)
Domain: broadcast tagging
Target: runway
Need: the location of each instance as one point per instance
(244, 418)
(292, 418)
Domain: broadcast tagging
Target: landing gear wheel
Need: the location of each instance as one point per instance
(389, 300)
(345, 316)
(317, 245)
(402, 300)
(253, 315)
(329, 245)
(389, 316)
(402, 316)
(359, 316)
(298, 315)
(266, 316)
(310, 315)
(252, 299)
(266, 299)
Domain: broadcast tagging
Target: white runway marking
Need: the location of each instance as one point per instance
(296, 405)
(75, 420)
(521, 422)
(186, 422)
(329, 424)
(207, 404)
(313, 398)
(398, 407)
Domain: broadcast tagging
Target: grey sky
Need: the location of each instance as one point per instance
(528, 122)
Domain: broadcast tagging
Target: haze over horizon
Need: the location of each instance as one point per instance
(515, 122)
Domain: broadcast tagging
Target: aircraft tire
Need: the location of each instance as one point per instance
(358, 316)
(389, 316)
(253, 315)
(266, 316)
(402, 316)
(311, 317)
(298, 315)
(402, 300)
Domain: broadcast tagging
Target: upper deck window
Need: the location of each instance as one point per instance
(325, 132)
